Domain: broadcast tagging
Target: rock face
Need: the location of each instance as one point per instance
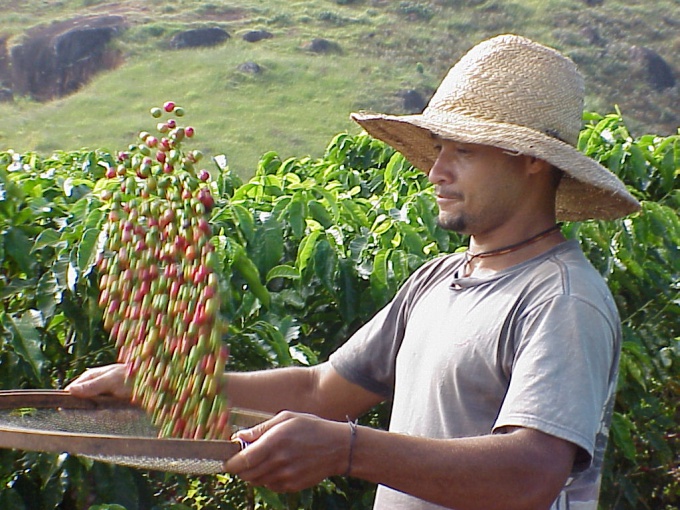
(257, 35)
(250, 67)
(199, 37)
(414, 102)
(5, 68)
(6, 95)
(655, 69)
(57, 60)
(320, 45)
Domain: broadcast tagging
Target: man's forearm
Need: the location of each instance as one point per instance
(272, 390)
(523, 469)
(317, 390)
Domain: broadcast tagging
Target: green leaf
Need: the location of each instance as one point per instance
(269, 498)
(306, 249)
(346, 283)
(381, 225)
(244, 221)
(47, 238)
(325, 261)
(356, 213)
(87, 250)
(622, 435)
(320, 213)
(380, 275)
(10, 498)
(48, 294)
(283, 271)
(266, 249)
(26, 340)
(18, 247)
(269, 163)
(251, 275)
(638, 163)
(304, 354)
(275, 339)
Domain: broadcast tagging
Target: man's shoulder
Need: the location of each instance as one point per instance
(577, 272)
(444, 264)
(567, 273)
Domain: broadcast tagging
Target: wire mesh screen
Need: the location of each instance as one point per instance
(109, 431)
(117, 421)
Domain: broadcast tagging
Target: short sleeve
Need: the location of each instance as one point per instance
(368, 358)
(562, 371)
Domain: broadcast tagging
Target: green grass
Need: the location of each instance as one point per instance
(301, 100)
(294, 106)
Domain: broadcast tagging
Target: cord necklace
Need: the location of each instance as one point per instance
(469, 257)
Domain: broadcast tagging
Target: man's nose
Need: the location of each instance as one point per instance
(441, 170)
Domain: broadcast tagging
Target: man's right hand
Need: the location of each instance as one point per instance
(106, 380)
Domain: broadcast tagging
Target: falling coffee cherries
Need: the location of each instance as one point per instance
(159, 284)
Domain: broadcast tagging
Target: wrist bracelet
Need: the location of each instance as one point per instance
(352, 439)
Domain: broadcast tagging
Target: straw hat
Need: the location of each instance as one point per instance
(512, 93)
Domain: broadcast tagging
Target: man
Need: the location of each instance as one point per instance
(501, 362)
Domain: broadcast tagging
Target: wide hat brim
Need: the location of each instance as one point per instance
(587, 190)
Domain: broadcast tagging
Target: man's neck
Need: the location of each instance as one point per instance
(488, 257)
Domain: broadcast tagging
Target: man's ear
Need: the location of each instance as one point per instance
(537, 165)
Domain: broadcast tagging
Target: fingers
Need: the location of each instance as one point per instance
(106, 380)
(243, 462)
(257, 466)
(290, 452)
(254, 433)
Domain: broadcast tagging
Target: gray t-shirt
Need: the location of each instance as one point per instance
(536, 345)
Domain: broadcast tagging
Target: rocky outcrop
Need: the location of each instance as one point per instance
(56, 60)
(250, 67)
(320, 45)
(257, 35)
(413, 101)
(5, 68)
(653, 67)
(199, 37)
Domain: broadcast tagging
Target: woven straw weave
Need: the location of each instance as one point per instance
(515, 94)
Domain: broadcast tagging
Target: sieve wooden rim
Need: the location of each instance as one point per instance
(88, 444)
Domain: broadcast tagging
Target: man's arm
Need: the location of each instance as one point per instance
(318, 390)
(521, 469)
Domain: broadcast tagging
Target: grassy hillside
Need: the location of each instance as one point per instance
(301, 99)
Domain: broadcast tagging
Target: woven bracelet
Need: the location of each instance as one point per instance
(352, 439)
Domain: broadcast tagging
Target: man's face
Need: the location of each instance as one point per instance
(478, 187)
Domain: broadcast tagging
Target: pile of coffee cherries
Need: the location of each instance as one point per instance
(159, 281)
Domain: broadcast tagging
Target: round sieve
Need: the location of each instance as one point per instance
(110, 430)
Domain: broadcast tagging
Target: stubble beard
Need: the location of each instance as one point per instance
(452, 223)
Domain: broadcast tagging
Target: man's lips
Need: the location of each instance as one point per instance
(449, 197)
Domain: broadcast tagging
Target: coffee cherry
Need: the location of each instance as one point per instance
(159, 286)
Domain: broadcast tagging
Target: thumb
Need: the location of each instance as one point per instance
(252, 434)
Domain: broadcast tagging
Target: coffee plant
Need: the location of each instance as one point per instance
(304, 253)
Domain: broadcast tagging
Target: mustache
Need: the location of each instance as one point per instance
(448, 194)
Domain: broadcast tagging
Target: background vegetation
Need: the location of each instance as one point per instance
(343, 227)
(302, 99)
(310, 248)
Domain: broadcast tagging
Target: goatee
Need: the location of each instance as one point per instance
(452, 223)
